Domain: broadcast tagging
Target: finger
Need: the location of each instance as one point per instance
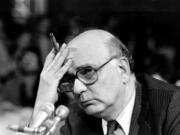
(52, 54)
(58, 60)
(62, 48)
(64, 69)
(49, 57)
(57, 45)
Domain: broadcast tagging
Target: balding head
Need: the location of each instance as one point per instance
(91, 38)
(101, 35)
(98, 44)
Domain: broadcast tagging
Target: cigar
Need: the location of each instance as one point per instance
(54, 42)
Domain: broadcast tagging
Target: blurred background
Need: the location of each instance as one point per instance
(149, 28)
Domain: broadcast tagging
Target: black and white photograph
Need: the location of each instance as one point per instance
(89, 67)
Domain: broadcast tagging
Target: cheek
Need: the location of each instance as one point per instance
(109, 87)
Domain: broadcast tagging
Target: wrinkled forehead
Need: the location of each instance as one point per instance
(87, 50)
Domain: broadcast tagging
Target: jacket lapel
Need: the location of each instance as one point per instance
(140, 117)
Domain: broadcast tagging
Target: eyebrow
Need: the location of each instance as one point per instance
(85, 66)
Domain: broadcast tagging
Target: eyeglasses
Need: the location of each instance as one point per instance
(87, 75)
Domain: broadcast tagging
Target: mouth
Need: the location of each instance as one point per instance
(86, 103)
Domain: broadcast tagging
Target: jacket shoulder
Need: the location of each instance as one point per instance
(163, 104)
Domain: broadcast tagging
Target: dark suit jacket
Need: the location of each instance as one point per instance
(156, 112)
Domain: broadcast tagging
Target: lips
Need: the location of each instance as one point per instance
(86, 103)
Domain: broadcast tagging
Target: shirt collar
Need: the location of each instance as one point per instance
(124, 118)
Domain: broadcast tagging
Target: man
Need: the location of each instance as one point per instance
(100, 70)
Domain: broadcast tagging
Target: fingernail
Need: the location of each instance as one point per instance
(63, 45)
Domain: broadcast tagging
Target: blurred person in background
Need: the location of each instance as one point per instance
(157, 67)
(28, 57)
(21, 88)
(11, 90)
(164, 61)
(7, 64)
(10, 106)
(29, 69)
(40, 35)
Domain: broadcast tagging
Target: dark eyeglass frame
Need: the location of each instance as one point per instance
(77, 75)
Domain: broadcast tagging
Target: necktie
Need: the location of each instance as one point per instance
(111, 127)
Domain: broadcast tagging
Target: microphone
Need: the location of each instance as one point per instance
(45, 112)
(24, 129)
(61, 114)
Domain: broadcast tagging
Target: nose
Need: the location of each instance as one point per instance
(79, 87)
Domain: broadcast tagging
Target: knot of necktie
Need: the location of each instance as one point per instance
(111, 127)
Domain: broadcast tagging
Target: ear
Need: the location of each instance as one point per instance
(124, 69)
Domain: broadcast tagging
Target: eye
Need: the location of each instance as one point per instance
(87, 72)
(65, 87)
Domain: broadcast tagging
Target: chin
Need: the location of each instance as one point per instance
(93, 110)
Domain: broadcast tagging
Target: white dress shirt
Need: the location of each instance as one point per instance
(124, 118)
